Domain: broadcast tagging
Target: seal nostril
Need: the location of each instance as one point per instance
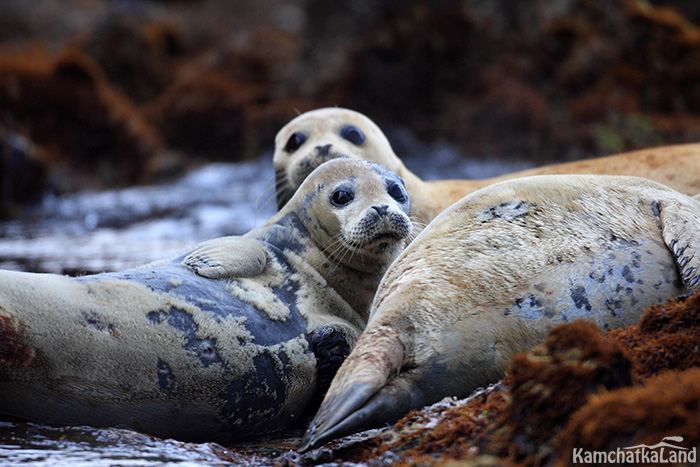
(381, 210)
(323, 151)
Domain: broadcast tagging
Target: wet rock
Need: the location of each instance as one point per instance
(111, 230)
(445, 430)
(664, 408)
(139, 54)
(666, 337)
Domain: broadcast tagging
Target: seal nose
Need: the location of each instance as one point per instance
(323, 151)
(381, 210)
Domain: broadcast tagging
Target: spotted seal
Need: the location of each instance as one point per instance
(198, 349)
(491, 275)
(319, 135)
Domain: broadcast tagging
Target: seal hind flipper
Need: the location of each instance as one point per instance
(227, 257)
(680, 228)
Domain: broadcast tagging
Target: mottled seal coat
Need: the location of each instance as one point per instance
(323, 134)
(491, 275)
(236, 349)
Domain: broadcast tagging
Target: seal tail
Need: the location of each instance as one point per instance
(365, 392)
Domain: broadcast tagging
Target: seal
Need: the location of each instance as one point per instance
(491, 275)
(319, 135)
(232, 341)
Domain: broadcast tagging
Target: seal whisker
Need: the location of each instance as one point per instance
(337, 246)
(418, 227)
(268, 195)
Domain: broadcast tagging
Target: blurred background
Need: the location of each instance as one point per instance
(103, 95)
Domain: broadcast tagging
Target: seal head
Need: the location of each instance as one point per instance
(354, 219)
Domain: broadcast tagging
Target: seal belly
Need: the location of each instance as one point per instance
(160, 350)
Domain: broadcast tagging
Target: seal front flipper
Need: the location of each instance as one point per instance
(227, 257)
(680, 228)
(331, 344)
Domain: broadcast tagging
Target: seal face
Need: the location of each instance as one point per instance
(226, 343)
(490, 276)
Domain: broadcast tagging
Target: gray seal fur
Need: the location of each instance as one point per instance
(232, 341)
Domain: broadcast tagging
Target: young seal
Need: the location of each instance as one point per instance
(202, 351)
(490, 276)
(323, 134)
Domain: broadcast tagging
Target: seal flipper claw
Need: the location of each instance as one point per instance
(360, 408)
(227, 257)
(334, 414)
(680, 228)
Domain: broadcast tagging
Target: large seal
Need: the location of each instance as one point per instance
(202, 350)
(491, 275)
(319, 135)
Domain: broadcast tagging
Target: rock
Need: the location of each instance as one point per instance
(66, 105)
(23, 174)
(666, 406)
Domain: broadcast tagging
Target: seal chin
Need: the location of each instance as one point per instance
(378, 234)
(383, 242)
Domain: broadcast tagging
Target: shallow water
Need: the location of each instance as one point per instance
(119, 229)
(42, 445)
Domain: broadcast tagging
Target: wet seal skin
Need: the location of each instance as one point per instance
(234, 340)
(490, 276)
(323, 134)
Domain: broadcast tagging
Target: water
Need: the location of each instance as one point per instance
(41, 445)
(92, 232)
(119, 229)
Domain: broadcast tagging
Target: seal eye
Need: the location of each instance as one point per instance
(396, 192)
(353, 134)
(341, 198)
(295, 141)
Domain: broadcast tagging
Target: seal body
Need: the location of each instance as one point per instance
(323, 134)
(495, 272)
(232, 341)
